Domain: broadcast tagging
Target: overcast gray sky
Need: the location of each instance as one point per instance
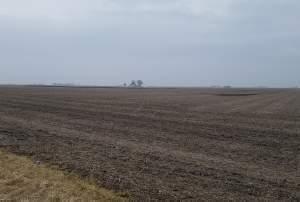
(163, 42)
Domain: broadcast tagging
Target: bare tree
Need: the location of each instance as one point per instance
(133, 84)
(140, 83)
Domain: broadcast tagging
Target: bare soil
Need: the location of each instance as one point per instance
(162, 144)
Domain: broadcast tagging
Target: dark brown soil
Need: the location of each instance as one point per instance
(162, 143)
(236, 94)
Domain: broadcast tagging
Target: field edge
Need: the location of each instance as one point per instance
(23, 179)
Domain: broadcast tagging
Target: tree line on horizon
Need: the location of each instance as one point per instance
(135, 84)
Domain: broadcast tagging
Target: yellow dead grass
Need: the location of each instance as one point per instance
(22, 180)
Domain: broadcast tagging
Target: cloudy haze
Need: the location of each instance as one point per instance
(163, 42)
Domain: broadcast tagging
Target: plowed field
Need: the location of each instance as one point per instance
(201, 144)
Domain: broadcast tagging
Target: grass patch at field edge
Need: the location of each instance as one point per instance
(23, 180)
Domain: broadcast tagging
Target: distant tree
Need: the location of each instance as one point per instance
(140, 83)
(125, 85)
(133, 84)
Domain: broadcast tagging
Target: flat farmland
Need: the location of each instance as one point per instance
(162, 144)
